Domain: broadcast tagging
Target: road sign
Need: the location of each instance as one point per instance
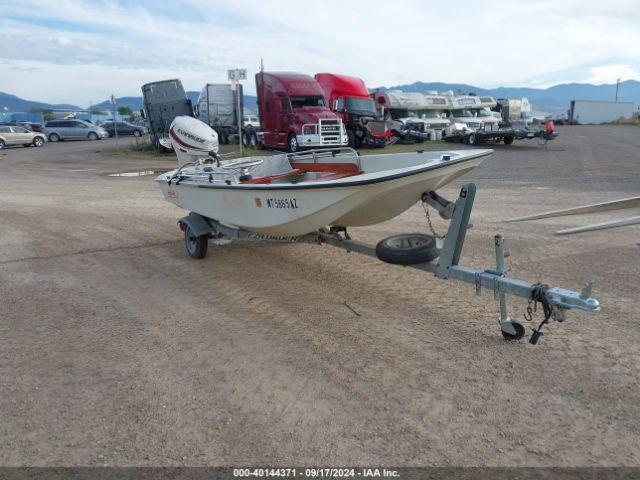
(237, 74)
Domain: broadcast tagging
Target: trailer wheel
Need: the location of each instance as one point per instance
(196, 246)
(245, 139)
(508, 140)
(159, 147)
(520, 331)
(253, 140)
(407, 249)
(351, 139)
(293, 143)
(472, 139)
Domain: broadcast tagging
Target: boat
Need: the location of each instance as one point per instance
(288, 195)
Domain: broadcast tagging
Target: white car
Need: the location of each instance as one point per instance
(17, 135)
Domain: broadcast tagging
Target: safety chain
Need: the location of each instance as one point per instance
(538, 295)
(433, 230)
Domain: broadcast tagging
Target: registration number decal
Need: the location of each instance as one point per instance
(282, 203)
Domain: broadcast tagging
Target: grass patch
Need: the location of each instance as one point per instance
(628, 121)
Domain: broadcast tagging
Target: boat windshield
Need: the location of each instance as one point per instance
(462, 113)
(366, 105)
(307, 101)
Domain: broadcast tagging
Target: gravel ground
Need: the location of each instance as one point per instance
(117, 349)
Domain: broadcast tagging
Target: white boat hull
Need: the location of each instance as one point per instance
(296, 209)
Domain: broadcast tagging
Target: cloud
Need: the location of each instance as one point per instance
(611, 73)
(117, 46)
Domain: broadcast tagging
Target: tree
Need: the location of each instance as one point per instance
(125, 111)
(48, 116)
(96, 111)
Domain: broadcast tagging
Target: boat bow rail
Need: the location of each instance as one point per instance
(555, 301)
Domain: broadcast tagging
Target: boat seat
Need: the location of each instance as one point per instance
(270, 178)
(278, 166)
(331, 171)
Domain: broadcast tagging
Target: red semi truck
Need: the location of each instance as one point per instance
(293, 113)
(350, 98)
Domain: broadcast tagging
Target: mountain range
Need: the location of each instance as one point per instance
(554, 99)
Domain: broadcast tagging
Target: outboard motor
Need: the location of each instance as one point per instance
(192, 139)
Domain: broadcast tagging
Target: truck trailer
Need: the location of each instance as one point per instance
(162, 102)
(218, 107)
(349, 98)
(592, 111)
(293, 113)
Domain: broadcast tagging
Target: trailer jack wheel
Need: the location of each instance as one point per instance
(519, 331)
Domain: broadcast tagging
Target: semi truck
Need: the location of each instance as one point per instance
(293, 113)
(218, 107)
(162, 102)
(349, 98)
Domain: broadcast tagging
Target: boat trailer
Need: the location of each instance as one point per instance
(555, 301)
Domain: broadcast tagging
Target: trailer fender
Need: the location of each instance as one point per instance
(198, 224)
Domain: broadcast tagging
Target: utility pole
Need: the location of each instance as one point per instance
(617, 85)
(235, 76)
(115, 124)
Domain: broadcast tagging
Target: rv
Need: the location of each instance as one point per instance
(420, 114)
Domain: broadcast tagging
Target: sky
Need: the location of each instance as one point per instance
(80, 52)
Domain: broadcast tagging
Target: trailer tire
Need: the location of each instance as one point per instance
(245, 139)
(351, 139)
(196, 246)
(159, 147)
(407, 249)
(293, 143)
(253, 140)
(472, 139)
(508, 140)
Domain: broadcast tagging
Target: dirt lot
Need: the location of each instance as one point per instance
(117, 349)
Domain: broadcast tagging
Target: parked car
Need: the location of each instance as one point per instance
(124, 128)
(34, 127)
(18, 135)
(73, 129)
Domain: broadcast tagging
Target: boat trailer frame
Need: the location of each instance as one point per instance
(555, 301)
